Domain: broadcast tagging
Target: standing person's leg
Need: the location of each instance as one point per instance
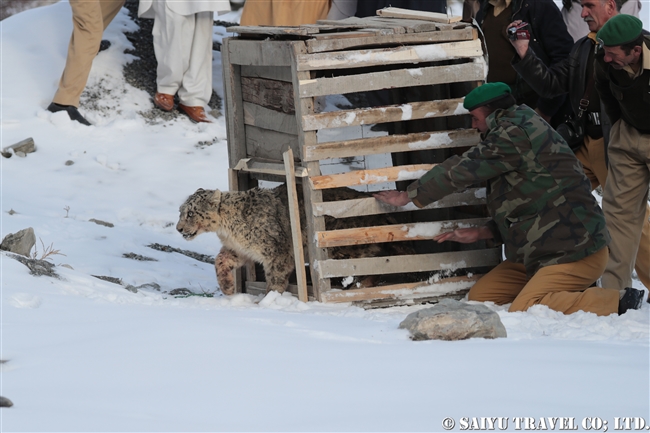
(110, 8)
(196, 86)
(501, 285)
(87, 29)
(565, 288)
(592, 157)
(625, 201)
(172, 39)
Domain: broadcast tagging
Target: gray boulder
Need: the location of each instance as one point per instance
(19, 243)
(453, 320)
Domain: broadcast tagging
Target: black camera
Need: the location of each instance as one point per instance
(519, 31)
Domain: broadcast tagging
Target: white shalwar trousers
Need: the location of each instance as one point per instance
(183, 48)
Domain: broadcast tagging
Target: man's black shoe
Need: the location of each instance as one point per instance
(73, 113)
(631, 300)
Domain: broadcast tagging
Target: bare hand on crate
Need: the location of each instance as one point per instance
(395, 198)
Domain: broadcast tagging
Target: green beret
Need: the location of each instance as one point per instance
(482, 95)
(619, 30)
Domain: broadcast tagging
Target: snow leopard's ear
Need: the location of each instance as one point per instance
(215, 200)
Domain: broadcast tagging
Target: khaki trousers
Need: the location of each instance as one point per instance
(592, 157)
(625, 204)
(283, 12)
(564, 288)
(89, 20)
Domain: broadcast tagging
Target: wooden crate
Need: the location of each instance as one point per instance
(274, 79)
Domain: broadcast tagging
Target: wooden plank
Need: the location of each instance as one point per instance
(365, 33)
(391, 79)
(410, 300)
(362, 23)
(262, 117)
(234, 107)
(403, 291)
(393, 233)
(370, 177)
(277, 73)
(267, 144)
(273, 30)
(418, 15)
(267, 166)
(271, 94)
(390, 56)
(305, 106)
(409, 25)
(296, 233)
(370, 206)
(392, 143)
(260, 53)
(320, 45)
(389, 113)
(410, 263)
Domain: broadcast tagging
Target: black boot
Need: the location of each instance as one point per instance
(631, 300)
(73, 113)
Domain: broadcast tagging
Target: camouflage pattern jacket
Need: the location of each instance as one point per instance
(537, 194)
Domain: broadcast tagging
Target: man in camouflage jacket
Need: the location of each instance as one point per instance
(541, 206)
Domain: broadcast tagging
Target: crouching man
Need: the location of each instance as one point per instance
(541, 206)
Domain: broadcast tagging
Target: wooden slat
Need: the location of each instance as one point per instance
(392, 143)
(410, 263)
(260, 53)
(271, 94)
(407, 300)
(234, 107)
(362, 23)
(296, 234)
(390, 56)
(418, 15)
(388, 113)
(371, 206)
(403, 291)
(273, 30)
(264, 143)
(262, 117)
(370, 177)
(319, 45)
(277, 73)
(257, 165)
(393, 233)
(365, 33)
(392, 79)
(305, 106)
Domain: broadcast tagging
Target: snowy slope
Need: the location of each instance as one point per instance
(87, 355)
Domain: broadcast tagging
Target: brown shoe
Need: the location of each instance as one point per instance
(196, 114)
(163, 101)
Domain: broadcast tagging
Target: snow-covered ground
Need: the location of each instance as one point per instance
(84, 354)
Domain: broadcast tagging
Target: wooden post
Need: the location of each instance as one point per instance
(296, 234)
(305, 106)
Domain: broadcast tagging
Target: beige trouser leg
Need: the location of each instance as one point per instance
(592, 157)
(183, 47)
(89, 20)
(625, 204)
(563, 288)
(283, 12)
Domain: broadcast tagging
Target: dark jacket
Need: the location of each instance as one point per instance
(538, 196)
(569, 75)
(549, 37)
(623, 97)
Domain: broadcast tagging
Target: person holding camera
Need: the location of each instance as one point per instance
(541, 206)
(587, 132)
(548, 38)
